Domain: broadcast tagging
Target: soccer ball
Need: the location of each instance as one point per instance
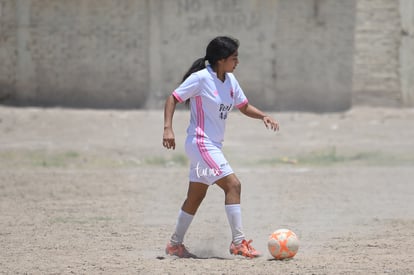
(283, 243)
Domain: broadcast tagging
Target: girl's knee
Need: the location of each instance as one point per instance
(230, 185)
(192, 203)
(195, 198)
(234, 185)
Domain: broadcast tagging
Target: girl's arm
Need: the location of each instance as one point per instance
(251, 111)
(168, 139)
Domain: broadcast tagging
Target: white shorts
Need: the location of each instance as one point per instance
(207, 162)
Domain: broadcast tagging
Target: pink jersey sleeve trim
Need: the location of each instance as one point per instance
(177, 97)
(242, 104)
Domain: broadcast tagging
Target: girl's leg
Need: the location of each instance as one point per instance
(195, 195)
(232, 190)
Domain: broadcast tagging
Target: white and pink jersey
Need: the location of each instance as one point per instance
(210, 101)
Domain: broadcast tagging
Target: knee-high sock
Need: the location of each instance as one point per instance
(183, 222)
(233, 212)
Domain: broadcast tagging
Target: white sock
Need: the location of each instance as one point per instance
(183, 222)
(233, 212)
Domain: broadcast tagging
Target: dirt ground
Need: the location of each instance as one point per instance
(94, 192)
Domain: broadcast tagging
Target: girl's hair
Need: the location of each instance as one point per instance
(219, 48)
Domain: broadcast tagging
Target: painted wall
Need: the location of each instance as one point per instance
(376, 59)
(407, 52)
(76, 53)
(313, 55)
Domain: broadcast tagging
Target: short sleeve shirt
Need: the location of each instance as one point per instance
(211, 100)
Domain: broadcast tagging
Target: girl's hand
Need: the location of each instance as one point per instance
(168, 139)
(271, 123)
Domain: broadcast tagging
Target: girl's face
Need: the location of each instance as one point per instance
(229, 64)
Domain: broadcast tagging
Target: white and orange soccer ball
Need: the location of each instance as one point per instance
(283, 244)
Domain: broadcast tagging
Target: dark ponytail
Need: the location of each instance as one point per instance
(219, 48)
(198, 65)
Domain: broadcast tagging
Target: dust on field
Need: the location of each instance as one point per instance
(93, 191)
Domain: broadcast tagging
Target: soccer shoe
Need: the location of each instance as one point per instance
(178, 250)
(244, 249)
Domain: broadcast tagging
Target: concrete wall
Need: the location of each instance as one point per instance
(407, 52)
(7, 49)
(376, 60)
(295, 54)
(183, 29)
(314, 55)
(77, 53)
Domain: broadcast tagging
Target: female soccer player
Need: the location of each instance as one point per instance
(211, 91)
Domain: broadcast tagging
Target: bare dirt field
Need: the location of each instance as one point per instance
(94, 192)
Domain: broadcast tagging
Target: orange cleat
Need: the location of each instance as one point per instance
(178, 250)
(244, 249)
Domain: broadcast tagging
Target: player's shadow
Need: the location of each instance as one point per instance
(193, 257)
(203, 254)
(280, 260)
